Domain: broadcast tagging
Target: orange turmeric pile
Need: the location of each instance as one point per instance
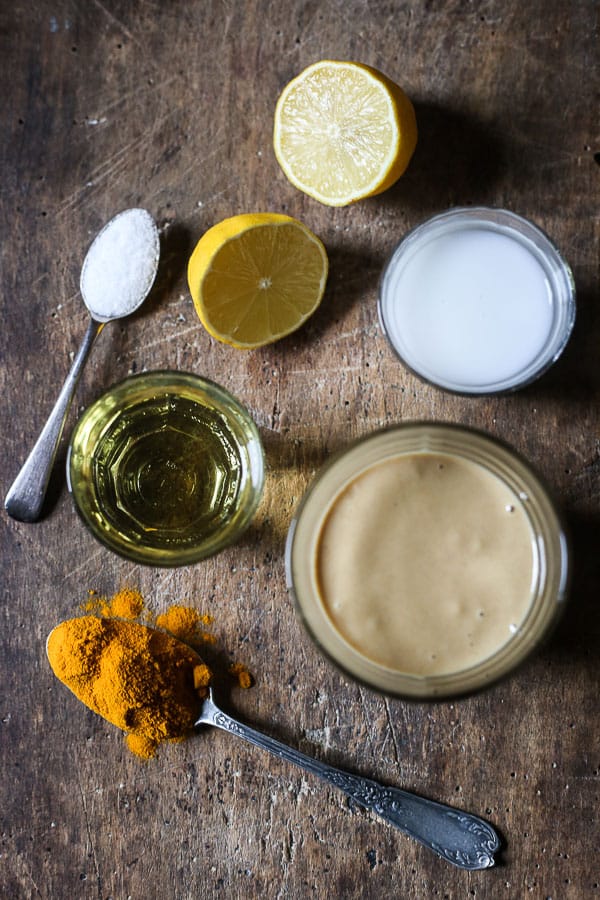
(127, 603)
(136, 677)
(186, 623)
(141, 679)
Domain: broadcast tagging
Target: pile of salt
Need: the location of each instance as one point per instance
(120, 265)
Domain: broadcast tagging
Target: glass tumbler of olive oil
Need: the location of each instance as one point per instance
(166, 468)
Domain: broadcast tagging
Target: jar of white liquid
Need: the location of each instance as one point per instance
(477, 301)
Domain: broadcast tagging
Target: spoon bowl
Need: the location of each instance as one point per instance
(116, 277)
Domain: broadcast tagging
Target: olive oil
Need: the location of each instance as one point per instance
(166, 468)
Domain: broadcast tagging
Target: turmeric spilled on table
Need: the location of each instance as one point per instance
(127, 603)
(186, 623)
(141, 679)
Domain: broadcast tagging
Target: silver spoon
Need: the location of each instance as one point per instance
(116, 277)
(458, 837)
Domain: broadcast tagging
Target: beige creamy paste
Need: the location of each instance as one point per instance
(425, 563)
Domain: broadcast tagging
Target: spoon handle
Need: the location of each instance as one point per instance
(458, 837)
(25, 498)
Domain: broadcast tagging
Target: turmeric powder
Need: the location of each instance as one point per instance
(241, 673)
(141, 745)
(202, 676)
(127, 603)
(146, 682)
(185, 623)
(136, 677)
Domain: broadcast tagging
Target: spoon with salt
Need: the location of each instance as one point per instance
(117, 274)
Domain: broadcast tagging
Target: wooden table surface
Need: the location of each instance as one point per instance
(111, 104)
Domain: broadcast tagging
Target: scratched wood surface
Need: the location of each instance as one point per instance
(113, 104)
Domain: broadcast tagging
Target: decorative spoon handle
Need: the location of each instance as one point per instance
(25, 498)
(458, 837)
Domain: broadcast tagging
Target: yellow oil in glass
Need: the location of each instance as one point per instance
(166, 468)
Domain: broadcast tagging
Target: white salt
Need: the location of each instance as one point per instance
(120, 266)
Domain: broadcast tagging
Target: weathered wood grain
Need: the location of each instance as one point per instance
(169, 105)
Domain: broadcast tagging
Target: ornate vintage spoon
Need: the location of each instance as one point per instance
(458, 837)
(116, 277)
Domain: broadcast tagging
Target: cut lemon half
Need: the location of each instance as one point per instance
(257, 277)
(343, 131)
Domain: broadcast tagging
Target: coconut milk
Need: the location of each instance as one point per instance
(477, 301)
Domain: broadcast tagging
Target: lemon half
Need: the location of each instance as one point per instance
(257, 277)
(343, 131)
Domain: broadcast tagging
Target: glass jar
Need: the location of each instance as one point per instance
(401, 544)
(477, 301)
(166, 468)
